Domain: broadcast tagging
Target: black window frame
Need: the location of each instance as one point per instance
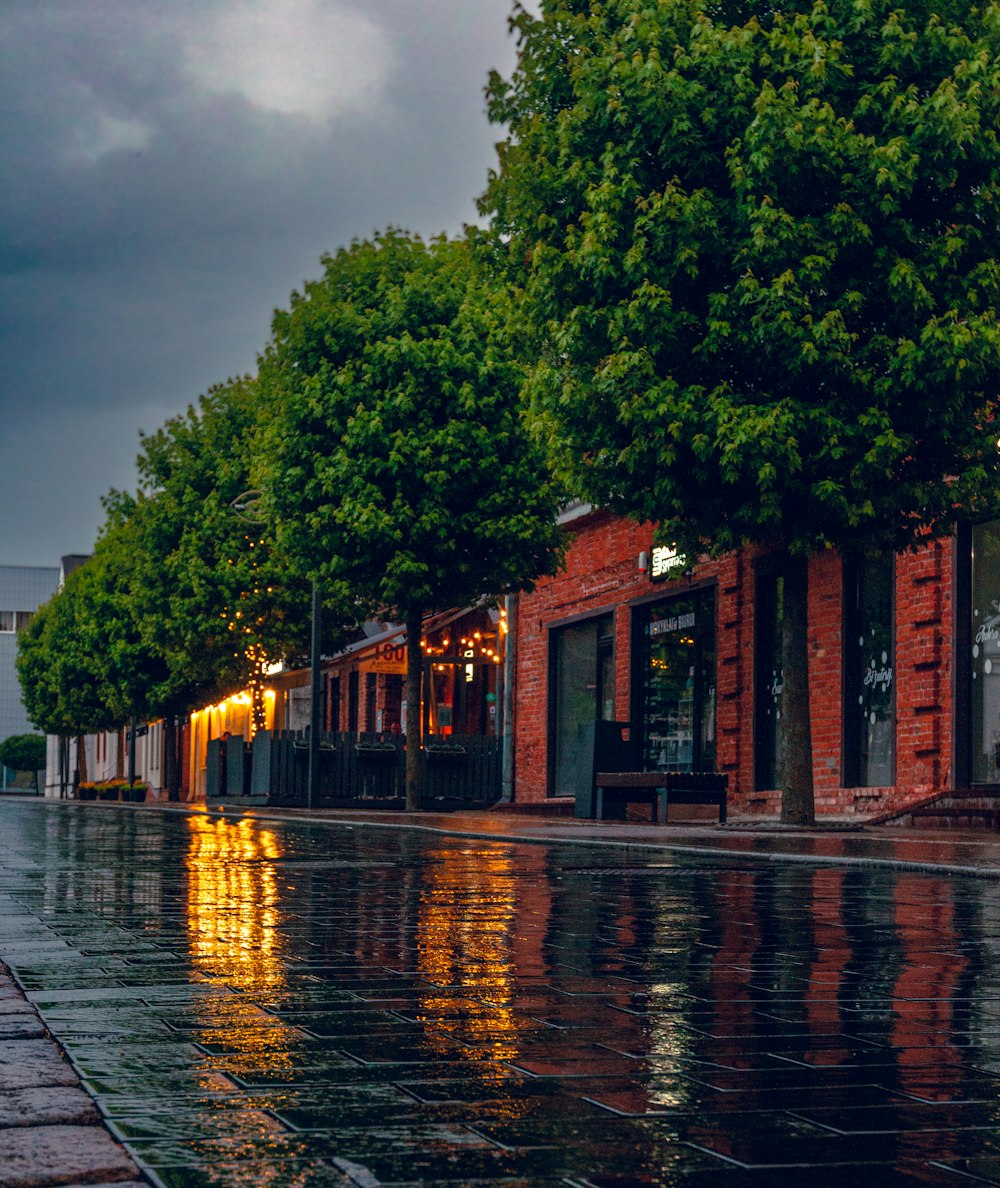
(605, 642)
(703, 593)
(852, 570)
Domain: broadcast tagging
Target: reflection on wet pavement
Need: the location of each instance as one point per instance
(283, 1004)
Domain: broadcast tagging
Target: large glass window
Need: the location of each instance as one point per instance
(869, 673)
(769, 746)
(677, 691)
(985, 675)
(583, 691)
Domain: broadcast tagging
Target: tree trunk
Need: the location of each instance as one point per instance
(120, 753)
(171, 766)
(797, 806)
(130, 739)
(414, 712)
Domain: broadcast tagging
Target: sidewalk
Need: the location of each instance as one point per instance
(52, 1134)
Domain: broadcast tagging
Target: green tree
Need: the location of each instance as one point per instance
(80, 662)
(208, 588)
(210, 592)
(393, 454)
(182, 600)
(24, 752)
(758, 247)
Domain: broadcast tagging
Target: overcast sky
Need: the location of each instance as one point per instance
(173, 169)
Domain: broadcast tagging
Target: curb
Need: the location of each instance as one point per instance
(50, 1129)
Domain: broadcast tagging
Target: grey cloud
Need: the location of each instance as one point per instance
(133, 278)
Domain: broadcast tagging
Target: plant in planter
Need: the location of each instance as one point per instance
(375, 750)
(445, 750)
(86, 790)
(24, 752)
(111, 789)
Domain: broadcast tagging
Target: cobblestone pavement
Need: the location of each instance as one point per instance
(50, 1131)
(278, 1003)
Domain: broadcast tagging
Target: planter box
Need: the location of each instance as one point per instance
(376, 752)
(446, 753)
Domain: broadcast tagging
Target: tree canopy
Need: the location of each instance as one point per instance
(182, 600)
(211, 593)
(759, 250)
(81, 663)
(23, 752)
(393, 457)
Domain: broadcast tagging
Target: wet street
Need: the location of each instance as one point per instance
(278, 1003)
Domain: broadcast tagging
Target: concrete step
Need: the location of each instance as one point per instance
(956, 816)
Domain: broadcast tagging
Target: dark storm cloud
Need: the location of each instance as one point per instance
(172, 172)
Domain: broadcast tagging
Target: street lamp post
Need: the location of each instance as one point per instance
(316, 677)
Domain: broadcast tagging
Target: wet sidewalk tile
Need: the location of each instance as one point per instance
(279, 1003)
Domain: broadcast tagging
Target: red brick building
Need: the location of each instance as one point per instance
(904, 700)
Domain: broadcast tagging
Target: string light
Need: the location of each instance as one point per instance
(249, 619)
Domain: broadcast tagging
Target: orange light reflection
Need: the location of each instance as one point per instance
(233, 925)
(465, 935)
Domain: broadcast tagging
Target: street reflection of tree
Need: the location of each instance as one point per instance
(128, 879)
(465, 941)
(234, 934)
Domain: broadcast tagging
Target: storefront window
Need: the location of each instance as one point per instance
(583, 690)
(677, 708)
(869, 671)
(986, 653)
(769, 746)
(463, 676)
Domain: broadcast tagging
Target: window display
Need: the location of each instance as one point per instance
(678, 684)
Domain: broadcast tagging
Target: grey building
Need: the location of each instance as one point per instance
(23, 588)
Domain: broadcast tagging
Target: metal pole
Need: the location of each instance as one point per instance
(315, 696)
(131, 752)
(509, 658)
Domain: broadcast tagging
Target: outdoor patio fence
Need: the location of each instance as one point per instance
(363, 770)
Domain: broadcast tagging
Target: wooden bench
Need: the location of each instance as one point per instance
(615, 790)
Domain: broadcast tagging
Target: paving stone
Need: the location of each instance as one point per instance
(29, 1062)
(300, 1005)
(21, 1026)
(45, 1106)
(15, 1006)
(108, 1184)
(32, 1157)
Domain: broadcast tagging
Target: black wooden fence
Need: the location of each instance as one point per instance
(355, 770)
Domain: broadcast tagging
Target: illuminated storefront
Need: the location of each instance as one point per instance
(233, 716)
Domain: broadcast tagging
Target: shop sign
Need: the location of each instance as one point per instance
(388, 658)
(673, 623)
(664, 559)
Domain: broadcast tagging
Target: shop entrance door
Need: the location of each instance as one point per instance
(581, 661)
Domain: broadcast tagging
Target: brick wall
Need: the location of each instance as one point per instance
(601, 575)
